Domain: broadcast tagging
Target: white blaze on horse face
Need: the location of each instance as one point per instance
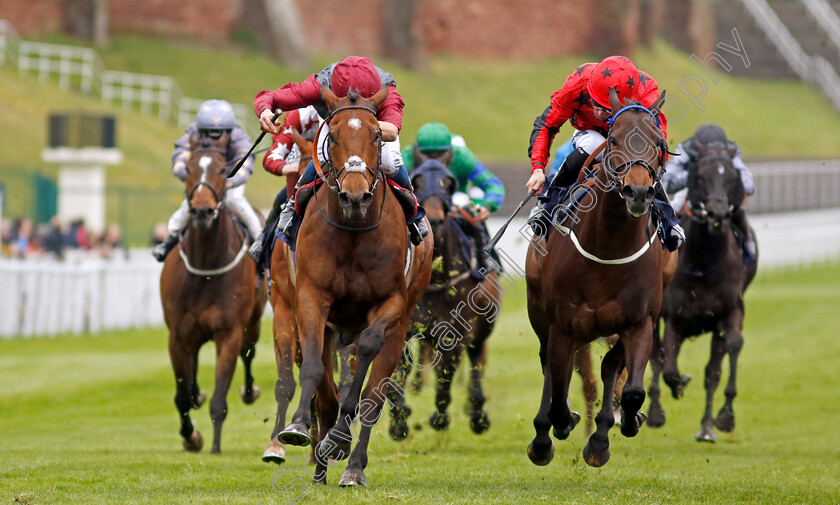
(355, 164)
(204, 162)
(721, 169)
(354, 123)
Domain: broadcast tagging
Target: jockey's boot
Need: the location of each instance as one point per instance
(417, 227)
(673, 234)
(414, 212)
(161, 251)
(263, 240)
(742, 233)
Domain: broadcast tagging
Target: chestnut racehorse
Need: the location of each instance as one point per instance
(352, 274)
(209, 291)
(707, 292)
(604, 274)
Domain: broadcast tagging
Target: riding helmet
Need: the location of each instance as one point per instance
(432, 137)
(614, 72)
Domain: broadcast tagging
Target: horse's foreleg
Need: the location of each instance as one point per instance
(439, 420)
(184, 365)
(228, 346)
(312, 310)
(249, 391)
(541, 449)
(285, 350)
(597, 449)
(561, 354)
(326, 406)
(479, 421)
(725, 419)
(707, 432)
(671, 343)
(395, 394)
(637, 349)
(383, 322)
(656, 415)
(370, 409)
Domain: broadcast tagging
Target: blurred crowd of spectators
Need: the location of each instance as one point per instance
(21, 238)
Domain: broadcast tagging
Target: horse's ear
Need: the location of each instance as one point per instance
(193, 142)
(731, 149)
(297, 139)
(615, 103)
(329, 97)
(657, 105)
(223, 140)
(379, 97)
(446, 157)
(418, 157)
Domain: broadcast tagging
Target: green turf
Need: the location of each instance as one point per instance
(91, 420)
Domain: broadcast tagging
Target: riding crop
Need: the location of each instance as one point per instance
(259, 139)
(490, 245)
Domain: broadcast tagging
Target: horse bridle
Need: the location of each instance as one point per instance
(336, 175)
(617, 183)
(220, 198)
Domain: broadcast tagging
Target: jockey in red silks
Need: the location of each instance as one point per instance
(362, 76)
(584, 101)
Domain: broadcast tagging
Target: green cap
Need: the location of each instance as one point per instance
(433, 137)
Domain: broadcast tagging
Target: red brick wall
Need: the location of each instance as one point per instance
(473, 28)
(33, 16)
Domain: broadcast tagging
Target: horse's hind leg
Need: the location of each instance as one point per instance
(249, 392)
(583, 365)
(184, 365)
(597, 449)
(656, 415)
(637, 349)
(725, 420)
(671, 343)
(228, 347)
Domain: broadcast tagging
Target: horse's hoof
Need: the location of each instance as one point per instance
(595, 458)
(574, 419)
(398, 430)
(630, 426)
(439, 421)
(194, 443)
(656, 417)
(352, 477)
(677, 384)
(725, 420)
(540, 457)
(295, 434)
(480, 423)
(332, 448)
(199, 400)
(706, 434)
(274, 453)
(249, 398)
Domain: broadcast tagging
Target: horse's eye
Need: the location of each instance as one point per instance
(613, 142)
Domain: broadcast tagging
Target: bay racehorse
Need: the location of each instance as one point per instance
(210, 292)
(707, 293)
(356, 274)
(602, 275)
(449, 300)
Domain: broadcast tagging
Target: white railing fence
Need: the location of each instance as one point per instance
(79, 295)
(826, 17)
(82, 68)
(813, 69)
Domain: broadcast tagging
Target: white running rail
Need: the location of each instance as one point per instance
(82, 68)
(826, 17)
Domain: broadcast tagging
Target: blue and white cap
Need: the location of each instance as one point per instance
(215, 115)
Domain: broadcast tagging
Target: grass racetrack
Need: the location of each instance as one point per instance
(92, 420)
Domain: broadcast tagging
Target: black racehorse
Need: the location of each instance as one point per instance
(448, 306)
(706, 294)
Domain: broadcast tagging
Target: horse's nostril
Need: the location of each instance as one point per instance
(367, 198)
(649, 194)
(343, 199)
(627, 192)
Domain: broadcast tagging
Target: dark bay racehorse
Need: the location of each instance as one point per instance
(603, 275)
(352, 273)
(210, 292)
(451, 286)
(706, 294)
